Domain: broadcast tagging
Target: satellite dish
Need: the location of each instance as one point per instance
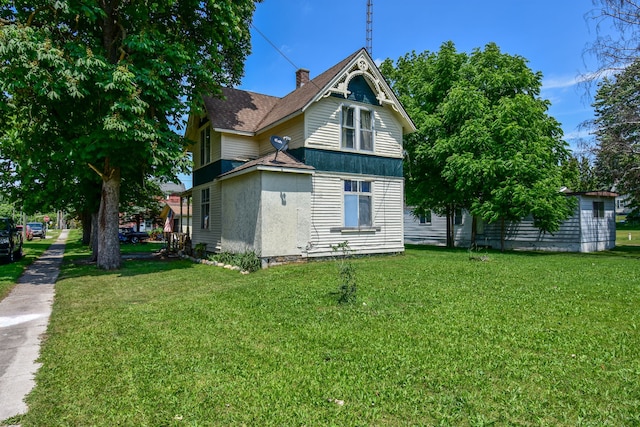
(280, 144)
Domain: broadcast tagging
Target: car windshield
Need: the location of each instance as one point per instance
(36, 226)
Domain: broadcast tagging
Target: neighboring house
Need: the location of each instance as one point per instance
(622, 205)
(591, 228)
(339, 180)
(176, 213)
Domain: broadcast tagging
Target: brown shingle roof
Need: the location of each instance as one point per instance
(277, 160)
(250, 112)
(239, 110)
(295, 101)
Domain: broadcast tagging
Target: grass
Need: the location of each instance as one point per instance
(434, 339)
(10, 272)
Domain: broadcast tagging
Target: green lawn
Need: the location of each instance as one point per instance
(10, 272)
(434, 339)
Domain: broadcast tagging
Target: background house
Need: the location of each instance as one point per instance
(591, 228)
(340, 178)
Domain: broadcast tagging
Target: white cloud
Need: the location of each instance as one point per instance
(564, 82)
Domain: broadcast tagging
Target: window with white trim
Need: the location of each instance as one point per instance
(357, 204)
(457, 217)
(204, 209)
(425, 217)
(205, 146)
(357, 128)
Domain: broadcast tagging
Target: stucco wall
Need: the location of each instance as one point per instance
(240, 204)
(267, 212)
(285, 212)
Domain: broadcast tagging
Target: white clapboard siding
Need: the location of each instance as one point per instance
(216, 146)
(435, 232)
(212, 235)
(597, 233)
(294, 129)
(323, 124)
(327, 217)
(238, 147)
(323, 128)
(581, 232)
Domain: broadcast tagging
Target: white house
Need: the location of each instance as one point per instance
(340, 179)
(591, 228)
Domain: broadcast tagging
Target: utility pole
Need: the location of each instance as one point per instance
(369, 29)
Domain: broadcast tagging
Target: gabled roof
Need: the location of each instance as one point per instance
(249, 112)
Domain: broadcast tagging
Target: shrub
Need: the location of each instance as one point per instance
(347, 273)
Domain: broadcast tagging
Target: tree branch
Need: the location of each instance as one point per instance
(95, 169)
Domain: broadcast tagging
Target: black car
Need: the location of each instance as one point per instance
(38, 229)
(128, 235)
(10, 240)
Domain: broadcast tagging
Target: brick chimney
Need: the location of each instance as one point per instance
(302, 77)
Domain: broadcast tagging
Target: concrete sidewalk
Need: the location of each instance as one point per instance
(24, 315)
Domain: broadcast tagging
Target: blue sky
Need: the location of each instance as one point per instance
(316, 34)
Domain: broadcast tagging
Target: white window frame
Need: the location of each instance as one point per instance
(205, 208)
(425, 218)
(205, 146)
(356, 128)
(355, 192)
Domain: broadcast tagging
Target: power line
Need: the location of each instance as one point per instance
(274, 46)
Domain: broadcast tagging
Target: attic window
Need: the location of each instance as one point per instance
(357, 128)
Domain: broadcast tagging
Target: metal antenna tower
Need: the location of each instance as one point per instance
(369, 30)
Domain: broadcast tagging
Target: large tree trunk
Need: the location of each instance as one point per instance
(450, 218)
(85, 218)
(94, 236)
(474, 231)
(108, 220)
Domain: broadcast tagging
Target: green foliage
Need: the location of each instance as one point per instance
(200, 250)
(247, 261)
(347, 291)
(617, 108)
(484, 142)
(85, 83)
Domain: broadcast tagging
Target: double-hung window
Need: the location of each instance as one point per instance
(357, 203)
(205, 146)
(357, 128)
(425, 217)
(204, 209)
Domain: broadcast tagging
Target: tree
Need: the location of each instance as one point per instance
(579, 174)
(485, 141)
(105, 84)
(617, 25)
(422, 81)
(617, 109)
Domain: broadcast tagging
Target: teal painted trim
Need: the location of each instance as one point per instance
(356, 163)
(213, 170)
(360, 91)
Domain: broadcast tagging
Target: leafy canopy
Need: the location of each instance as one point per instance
(104, 86)
(485, 141)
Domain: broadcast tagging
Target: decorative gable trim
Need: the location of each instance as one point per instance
(362, 67)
